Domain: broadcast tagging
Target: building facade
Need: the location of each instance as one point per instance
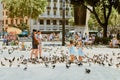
(1, 17)
(11, 22)
(51, 19)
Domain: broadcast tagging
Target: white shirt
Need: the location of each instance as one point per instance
(40, 36)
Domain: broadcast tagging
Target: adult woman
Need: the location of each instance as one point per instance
(114, 42)
(34, 44)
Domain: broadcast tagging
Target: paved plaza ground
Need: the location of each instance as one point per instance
(38, 71)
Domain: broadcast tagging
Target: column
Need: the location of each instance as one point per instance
(44, 25)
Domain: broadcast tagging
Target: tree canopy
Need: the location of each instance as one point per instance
(22, 8)
(104, 7)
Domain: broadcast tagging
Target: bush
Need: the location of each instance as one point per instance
(104, 40)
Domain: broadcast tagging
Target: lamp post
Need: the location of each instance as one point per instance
(63, 23)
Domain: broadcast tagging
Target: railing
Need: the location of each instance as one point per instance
(55, 28)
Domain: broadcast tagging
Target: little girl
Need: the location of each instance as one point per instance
(72, 51)
(80, 52)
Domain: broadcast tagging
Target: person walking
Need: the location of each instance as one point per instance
(40, 38)
(34, 44)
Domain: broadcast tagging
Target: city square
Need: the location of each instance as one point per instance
(59, 39)
(38, 70)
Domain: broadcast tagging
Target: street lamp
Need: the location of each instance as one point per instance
(63, 23)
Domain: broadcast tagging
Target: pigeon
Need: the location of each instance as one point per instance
(10, 61)
(25, 69)
(18, 65)
(80, 64)
(10, 65)
(13, 59)
(109, 64)
(117, 65)
(2, 63)
(17, 59)
(103, 63)
(89, 64)
(1, 51)
(67, 66)
(46, 65)
(5, 59)
(87, 71)
(53, 66)
(10, 51)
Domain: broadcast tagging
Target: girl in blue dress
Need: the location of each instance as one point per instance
(72, 51)
(80, 51)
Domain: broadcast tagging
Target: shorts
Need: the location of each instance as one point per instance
(34, 46)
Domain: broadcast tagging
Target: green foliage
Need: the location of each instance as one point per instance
(101, 9)
(113, 21)
(23, 26)
(114, 18)
(103, 40)
(22, 8)
(92, 22)
(71, 21)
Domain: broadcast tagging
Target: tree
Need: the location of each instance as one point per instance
(23, 8)
(114, 19)
(99, 6)
(112, 23)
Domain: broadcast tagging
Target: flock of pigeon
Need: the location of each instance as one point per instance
(55, 55)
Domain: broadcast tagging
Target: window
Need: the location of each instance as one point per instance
(41, 22)
(6, 13)
(60, 22)
(6, 22)
(34, 22)
(48, 12)
(48, 4)
(60, 4)
(54, 22)
(26, 21)
(11, 21)
(48, 22)
(16, 21)
(66, 22)
(3, 6)
(54, 4)
(66, 13)
(54, 12)
(66, 5)
(61, 13)
(20, 20)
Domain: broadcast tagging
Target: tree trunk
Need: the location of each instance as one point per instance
(80, 15)
(105, 31)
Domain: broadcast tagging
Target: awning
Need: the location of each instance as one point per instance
(14, 30)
